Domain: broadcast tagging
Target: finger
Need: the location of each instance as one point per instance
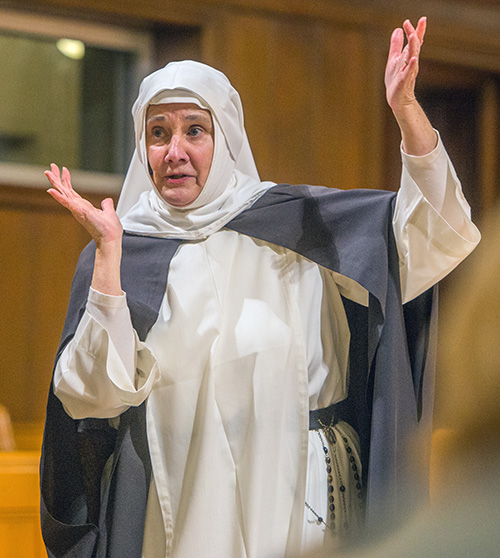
(419, 31)
(421, 28)
(66, 177)
(55, 170)
(108, 205)
(408, 28)
(54, 176)
(53, 179)
(59, 197)
(397, 40)
(413, 46)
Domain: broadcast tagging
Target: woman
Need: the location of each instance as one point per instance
(241, 299)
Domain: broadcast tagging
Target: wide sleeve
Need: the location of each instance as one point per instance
(432, 222)
(105, 368)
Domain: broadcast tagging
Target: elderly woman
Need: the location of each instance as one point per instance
(236, 376)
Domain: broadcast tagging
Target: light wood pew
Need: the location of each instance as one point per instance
(20, 534)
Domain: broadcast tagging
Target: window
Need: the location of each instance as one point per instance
(65, 97)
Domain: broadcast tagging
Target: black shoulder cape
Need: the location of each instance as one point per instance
(391, 372)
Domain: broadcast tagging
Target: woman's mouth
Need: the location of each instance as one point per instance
(178, 178)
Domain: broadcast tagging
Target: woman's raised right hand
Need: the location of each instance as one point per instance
(102, 224)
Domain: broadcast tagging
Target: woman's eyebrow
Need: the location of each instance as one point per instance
(198, 116)
(192, 116)
(156, 117)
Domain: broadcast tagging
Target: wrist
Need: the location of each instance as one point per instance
(106, 277)
(418, 136)
(109, 246)
(406, 111)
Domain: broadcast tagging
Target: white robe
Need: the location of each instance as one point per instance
(242, 321)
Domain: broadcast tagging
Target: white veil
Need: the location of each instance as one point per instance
(233, 183)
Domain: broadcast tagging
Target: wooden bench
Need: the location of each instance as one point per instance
(20, 534)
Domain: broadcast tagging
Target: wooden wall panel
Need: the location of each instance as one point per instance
(273, 91)
(311, 92)
(349, 108)
(39, 249)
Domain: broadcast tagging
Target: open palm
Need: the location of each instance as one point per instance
(403, 63)
(102, 224)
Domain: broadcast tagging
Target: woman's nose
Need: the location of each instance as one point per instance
(176, 151)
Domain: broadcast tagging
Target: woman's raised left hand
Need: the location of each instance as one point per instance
(403, 63)
(417, 134)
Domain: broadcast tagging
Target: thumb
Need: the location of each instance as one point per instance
(107, 205)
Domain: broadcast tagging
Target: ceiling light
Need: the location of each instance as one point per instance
(71, 48)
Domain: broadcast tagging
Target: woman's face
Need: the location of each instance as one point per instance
(180, 146)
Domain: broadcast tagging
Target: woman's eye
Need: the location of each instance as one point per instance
(157, 132)
(196, 131)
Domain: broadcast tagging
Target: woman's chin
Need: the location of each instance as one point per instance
(179, 199)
